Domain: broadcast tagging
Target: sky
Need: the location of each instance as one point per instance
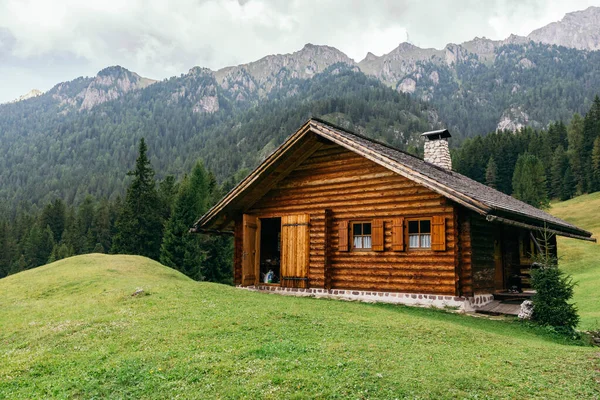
(44, 42)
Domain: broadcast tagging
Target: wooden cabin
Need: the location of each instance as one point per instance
(333, 213)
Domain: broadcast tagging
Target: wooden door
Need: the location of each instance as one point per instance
(295, 250)
(251, 250)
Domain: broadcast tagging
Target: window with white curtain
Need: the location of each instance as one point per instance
(361, 235)
(419, 234)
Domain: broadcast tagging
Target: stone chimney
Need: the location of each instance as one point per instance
(436, 148)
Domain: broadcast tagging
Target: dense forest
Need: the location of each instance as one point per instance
(154, 217)
(44, 155)
(52, 146)
(556, 163)
(152, 220)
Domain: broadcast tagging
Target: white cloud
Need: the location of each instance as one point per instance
(43, 42)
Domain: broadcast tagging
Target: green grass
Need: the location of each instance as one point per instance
(581, 259)
(71, 329)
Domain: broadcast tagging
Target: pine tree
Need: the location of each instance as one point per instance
(491, 173)
(529, 181)
(569, 185)
(39, 246)
(167, 190)
(85, 223)
(596, 166)
(54, 215)
(180, 249)
(139, 225)
(560, 163)
(575, 151)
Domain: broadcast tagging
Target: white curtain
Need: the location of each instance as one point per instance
(362, 242)
(366, 242)
(426, 240)
(413, 241)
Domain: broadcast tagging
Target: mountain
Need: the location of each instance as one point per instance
(52, 146)
(86, 93)
(80, 136)
(259, 78)
(579, 30)
(31, 94)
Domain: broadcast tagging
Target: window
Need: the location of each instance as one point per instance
(419, 234)
(361, 235)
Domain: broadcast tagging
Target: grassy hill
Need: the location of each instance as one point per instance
(582, 259)
(72, 329)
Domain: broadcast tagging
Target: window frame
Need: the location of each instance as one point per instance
(407, 222)
(352, 223)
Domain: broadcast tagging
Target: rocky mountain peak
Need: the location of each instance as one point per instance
(268, 73)
(200, 71)
(370, 57)
(111, 83)
(579, 29)
(29, 95)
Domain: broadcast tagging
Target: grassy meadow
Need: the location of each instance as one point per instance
(581, 259)
(71, 329)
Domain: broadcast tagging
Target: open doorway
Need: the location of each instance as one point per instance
(270, 251)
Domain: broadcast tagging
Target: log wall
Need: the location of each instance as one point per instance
(354, 188)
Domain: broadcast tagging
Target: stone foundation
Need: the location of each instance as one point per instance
(412, 299)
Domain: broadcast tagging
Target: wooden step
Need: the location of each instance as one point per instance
(498, 307)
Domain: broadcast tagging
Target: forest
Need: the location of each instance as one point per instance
(155, 215)
(537, 165)
(44, 155)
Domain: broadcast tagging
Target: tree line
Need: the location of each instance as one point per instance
(153, 220)
(536, 166)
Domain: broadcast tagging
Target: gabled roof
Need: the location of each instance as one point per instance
(473, 195)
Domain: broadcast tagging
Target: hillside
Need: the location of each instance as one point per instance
(48, 152)
(72, 329)
(582, 259)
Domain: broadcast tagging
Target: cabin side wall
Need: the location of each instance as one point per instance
(336, 185)
(483, 265)
(465, 252)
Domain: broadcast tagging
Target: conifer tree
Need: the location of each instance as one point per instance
(596, 166)
(560, 163)
(569, 185)
(180, 249)
(491, 173)
(39, 246)
(575, 151)
(54, 215)
(139, 225)
(529, 181)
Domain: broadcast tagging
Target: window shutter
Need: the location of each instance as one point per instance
(438, 233)
(398, 234)
(343, 236)
(377, 235)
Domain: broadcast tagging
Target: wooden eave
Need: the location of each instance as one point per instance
(301, 145)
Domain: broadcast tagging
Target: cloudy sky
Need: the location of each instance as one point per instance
(43, 42)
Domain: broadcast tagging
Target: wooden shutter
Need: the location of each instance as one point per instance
(398, 234)
(295, 250)
(250, 246)
(438, 233)
(377, 235)
(343, 236)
